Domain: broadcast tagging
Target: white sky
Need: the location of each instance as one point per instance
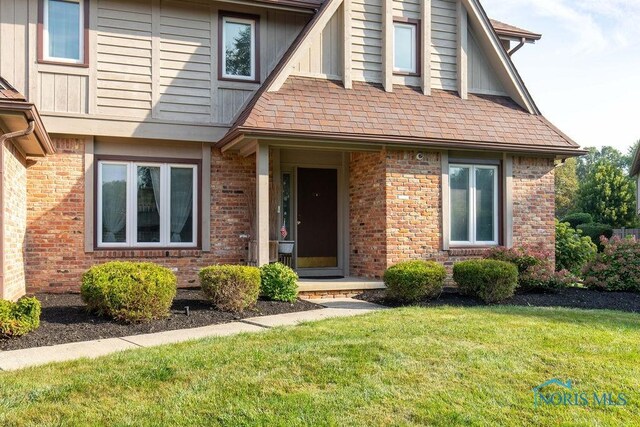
(585, 72)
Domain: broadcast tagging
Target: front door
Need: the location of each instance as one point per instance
(317, 220)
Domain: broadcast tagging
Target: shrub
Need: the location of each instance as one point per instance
(231, 288)
(595, 231)
(19, 318)
(543, 278)
(616, 268)
(129, 291)
(523, 257)
(278, 282)
(576, 219)
(488, 279)
(412, 281)
(573, 250)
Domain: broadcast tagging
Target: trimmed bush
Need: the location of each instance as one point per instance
(278, 282)
(129, 291)
(488, 279)
(616, 268)
(542, 278)
(573, 250)
(19, 318)
(413, 281)
(576, 219)
(232, 288)
(595, 231)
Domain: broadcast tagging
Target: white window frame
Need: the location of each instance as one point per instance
(45, 35)
(165, 206)
(414, 47)
(472, 206)
(223, 53)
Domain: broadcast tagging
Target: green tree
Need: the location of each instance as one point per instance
(594, 156)
(608, 194)
(566, 179)
(238, 61)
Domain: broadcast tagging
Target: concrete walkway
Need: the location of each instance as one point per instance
(338, 307)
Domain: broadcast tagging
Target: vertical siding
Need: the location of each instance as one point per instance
(366, 38)
(62, 93)
(324, 57)
(185, 61)
(443, 38)
(124, 58)
(14, 20)
(482, 77)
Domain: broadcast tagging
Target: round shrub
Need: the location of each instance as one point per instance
(231, 288)
(19, 318)
(573, 250)
(487, 279)
(616, 268)
(278, 282)
(595, 231)
(129, 291)
(576, 219)
(413, 281)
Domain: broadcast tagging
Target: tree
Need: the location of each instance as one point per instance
(238, 61)
(566, 180)
(608, 194)
(610, 154)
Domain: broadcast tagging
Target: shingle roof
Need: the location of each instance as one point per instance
(307, 106)
(9, 93)
(503, 29)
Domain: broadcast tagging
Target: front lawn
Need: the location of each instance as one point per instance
(439, 366)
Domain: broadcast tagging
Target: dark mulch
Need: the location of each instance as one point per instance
(64, 319)
(570, 298)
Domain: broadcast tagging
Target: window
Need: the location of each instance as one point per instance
(405, 47)
(63, 31)
(144, 204)
(238, 47)
(473, 204)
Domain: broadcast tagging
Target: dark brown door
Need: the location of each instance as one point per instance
(317, 218)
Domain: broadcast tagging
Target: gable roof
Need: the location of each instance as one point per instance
(309, 108)
(508, 30)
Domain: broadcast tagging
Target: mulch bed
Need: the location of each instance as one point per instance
(569, 298)
(65, 319)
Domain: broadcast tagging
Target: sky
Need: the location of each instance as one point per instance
(585, 72)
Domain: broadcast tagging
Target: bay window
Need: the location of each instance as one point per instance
(63, 31)
(473, 210)
(146, 204)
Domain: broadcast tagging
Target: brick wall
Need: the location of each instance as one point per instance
(56, 257)
(14, 222)
(367, 210)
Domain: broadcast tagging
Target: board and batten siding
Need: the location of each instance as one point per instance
(482, 77)
(151, 61)
(323, 58)
(444, 60)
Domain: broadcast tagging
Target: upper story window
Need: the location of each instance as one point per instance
(473, 210)
(63, 31)
(239, 47)
(405, 46)
(146, 204)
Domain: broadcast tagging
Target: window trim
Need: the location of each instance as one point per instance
(42, 36)
(239, 17)
(416, 23)
(497, 205)
(133, 161)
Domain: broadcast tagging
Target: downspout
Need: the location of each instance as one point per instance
(517, 47)
(3, 138)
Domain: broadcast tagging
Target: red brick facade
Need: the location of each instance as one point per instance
(55, 236)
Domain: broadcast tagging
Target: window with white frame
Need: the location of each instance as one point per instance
(473, 210)
(63, 31)
(405, 50)
(144, 204)
(238, 56)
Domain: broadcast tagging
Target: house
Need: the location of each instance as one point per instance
(190, 133)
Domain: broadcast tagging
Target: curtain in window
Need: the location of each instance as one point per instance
(181, 201)
(64, 30)
(114, 203)
(155, 181)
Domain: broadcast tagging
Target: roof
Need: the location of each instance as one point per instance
(10, 93)
(509, 30)
(635, 164)
(308, 108)
(306, 4)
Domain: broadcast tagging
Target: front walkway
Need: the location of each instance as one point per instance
(338, 307)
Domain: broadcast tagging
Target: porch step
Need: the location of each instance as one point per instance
(342, 284)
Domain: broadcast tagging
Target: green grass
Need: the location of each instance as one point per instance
(413, 366)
